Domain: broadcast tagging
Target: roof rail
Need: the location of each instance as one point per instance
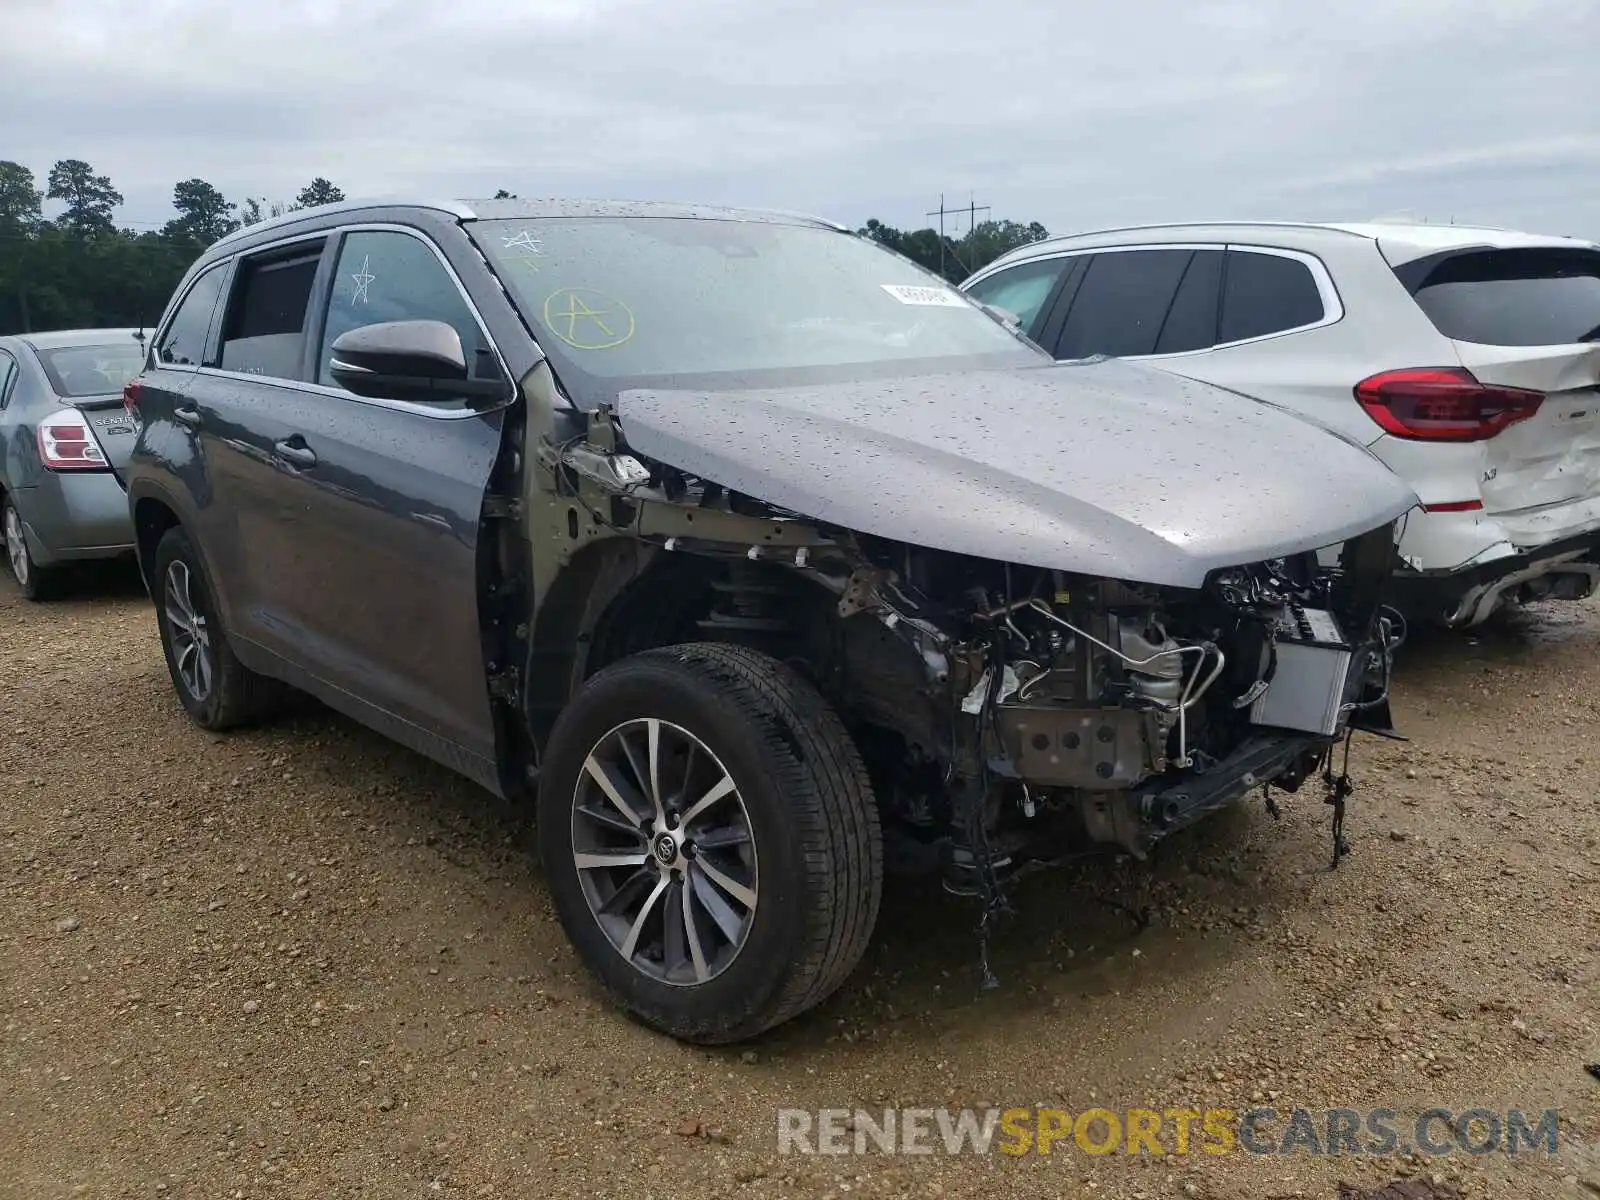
(1055, 238)
(455, 208)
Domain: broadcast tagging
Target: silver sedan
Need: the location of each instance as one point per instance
(64, 437)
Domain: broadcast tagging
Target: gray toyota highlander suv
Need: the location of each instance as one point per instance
(751, 554)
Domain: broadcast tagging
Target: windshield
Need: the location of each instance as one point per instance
(650, 301)
(91, 370)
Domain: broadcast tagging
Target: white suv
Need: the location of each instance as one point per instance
(1468, 360)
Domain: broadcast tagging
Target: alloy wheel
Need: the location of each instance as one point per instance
(191, 637)
(17, 546)
(665, 853)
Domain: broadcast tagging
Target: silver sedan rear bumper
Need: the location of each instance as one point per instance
(70, 516)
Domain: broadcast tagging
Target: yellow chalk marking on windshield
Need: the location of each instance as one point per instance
(588, 320)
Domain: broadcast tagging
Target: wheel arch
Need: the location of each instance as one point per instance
(155, 511)
(619, 596)
(39, 557)
(152, 517)
(569, 613)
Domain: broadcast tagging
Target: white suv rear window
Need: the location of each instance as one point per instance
(1532, 297)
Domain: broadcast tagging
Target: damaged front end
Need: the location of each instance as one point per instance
(1095, 709)
(1010, 715)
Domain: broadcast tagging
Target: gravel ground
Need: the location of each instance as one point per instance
(300, 961)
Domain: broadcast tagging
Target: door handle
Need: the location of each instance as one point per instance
(185, 415)
(294, 450)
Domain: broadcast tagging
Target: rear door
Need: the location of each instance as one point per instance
(1528, 319)
(167, 442)
(1258, 320)
(1132, 303)
(250, 517)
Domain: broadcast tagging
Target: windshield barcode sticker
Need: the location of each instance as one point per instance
(936, 296)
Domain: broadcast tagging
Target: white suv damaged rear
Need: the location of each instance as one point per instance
(1465, 358)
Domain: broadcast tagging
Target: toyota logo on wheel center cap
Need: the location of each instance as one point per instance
(666, 849)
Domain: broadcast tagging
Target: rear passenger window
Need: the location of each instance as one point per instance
(265, 329)
(1266, 293)
(1020, 290)
(1191, 322)
(1534, 297)
(183, 344)
(1122, 303)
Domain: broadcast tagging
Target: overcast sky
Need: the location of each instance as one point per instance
(1077, 114)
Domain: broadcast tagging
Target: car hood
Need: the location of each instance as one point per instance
(1106, 468)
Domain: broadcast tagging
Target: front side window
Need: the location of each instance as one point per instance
(183, 343)
(1021, 290)
(264, 333)
(383, 276)
(1267, 293)
(76, 371)
(1122, 303)
(622, 301)
(8, 375)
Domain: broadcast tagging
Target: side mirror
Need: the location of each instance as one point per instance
(407, 359)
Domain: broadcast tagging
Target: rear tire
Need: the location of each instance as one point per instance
(773, 887)
(215, 688)
(33, 581)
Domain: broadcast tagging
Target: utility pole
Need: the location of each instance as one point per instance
(973, 209)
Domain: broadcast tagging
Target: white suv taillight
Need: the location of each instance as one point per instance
(1443, 404)
(66, 443)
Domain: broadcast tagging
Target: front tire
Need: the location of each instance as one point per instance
(711, 840)
(33, 581)
(215, 688)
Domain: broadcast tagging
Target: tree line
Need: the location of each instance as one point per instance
(82, 271)
(956, 258)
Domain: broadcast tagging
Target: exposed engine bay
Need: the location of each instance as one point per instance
(1009, 715)
(1086, 708)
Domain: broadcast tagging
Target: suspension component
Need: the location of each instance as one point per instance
(746, 602)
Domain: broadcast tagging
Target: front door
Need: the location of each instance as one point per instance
(379, 585)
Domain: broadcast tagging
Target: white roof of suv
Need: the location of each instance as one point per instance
(1399, 241)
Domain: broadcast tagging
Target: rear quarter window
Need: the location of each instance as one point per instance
(183, 342)
(1263, 294)
(1533, 297)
